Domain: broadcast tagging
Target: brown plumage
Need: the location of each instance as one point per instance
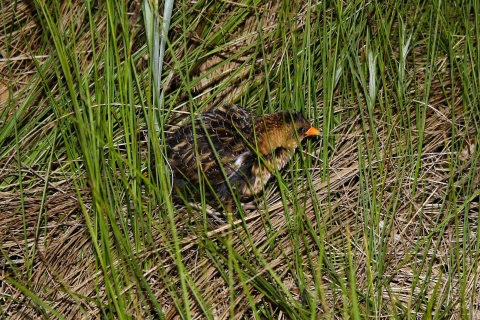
(246, 146)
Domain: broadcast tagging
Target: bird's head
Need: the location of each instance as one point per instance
(284, 129)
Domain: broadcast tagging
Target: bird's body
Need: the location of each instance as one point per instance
(230, 149)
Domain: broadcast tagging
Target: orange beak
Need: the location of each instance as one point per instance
(313, 131)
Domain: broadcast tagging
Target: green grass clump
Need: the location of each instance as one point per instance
(377, 219)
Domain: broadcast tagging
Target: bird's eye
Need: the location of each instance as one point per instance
(302, 130)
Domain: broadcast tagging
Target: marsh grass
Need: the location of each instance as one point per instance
(377, 219)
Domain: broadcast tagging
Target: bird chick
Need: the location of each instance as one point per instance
(233, 152)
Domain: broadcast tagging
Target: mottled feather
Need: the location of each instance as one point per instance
(248, 148)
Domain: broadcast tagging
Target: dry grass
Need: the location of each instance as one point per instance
(419, 219)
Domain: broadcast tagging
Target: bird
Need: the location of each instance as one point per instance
(232, 152)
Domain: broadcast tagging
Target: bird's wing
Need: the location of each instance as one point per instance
(230, 129)
(226, 129)
(241, 119)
